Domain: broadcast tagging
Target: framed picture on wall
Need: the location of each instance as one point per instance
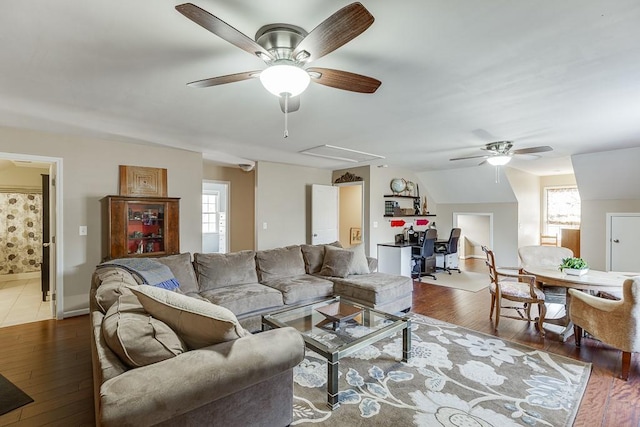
(355, 236)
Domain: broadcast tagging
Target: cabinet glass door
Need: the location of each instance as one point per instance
(145, 228)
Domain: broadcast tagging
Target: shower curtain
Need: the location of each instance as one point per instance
(20, 232)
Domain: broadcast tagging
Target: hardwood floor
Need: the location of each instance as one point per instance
(51, 361)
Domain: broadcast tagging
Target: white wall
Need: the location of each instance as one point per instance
(526, 188)
(379, 186)
(505, 226)
(283, 202)
(468, 185)
(90, 172)
(476, 232)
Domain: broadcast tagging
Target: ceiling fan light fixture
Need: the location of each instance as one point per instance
(499, 160)
(280, 79)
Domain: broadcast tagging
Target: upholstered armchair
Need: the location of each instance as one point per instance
(546, 257)
(508, 284)
(615, 323)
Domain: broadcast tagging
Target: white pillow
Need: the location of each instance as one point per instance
(199, 323)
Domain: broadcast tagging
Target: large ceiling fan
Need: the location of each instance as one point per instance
(500, 153)
(287, 49)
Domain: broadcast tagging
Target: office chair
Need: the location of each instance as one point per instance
(449, 251)
(426, 255)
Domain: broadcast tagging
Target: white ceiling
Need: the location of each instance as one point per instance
(455, 75)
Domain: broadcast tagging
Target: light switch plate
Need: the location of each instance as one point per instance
(83, 230)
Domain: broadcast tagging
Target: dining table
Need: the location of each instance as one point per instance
(592, 281)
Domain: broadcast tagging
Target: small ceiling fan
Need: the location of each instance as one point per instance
(287, 49)
(500, 153)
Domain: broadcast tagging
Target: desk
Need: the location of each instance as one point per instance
(395, 258)
(594, 280)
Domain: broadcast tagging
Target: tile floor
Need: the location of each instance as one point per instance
(21, 302)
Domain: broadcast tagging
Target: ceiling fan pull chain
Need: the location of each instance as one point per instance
(497, 174)
(286, 115)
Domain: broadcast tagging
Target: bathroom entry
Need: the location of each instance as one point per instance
(350, 221)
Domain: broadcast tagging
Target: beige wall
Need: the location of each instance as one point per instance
(283, 202)
(242, 193)
(20, 177)
(505, 226)
(350, 211)
(363, 172)
(90, 172)
(593, 228)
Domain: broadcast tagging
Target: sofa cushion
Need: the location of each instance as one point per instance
(137, 338)
(242, 299)
(182, 268)
(280, 262)
(198, 323)
(336, 262)
(375, 288)
(109, 291)
(302, 288)
(218, 270)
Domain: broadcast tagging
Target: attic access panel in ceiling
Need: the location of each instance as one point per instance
(339, 153)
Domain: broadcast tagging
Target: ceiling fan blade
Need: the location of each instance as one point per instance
(531, 150)
(335, 31)
(344, 80)
(293, 104)
(221, 80)
(223, 30)
(471, 157)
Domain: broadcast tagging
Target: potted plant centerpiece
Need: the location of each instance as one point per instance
(574, 266)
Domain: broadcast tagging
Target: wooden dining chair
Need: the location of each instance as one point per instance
(516, 288)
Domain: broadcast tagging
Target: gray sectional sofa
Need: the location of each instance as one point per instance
(227, 379)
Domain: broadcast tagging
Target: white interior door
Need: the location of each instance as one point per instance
(624, 238)
(324, 214)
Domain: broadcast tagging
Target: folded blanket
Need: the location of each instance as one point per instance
(150, 271)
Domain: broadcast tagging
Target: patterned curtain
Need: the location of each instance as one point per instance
(20, 232)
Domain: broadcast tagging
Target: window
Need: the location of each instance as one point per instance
(562, 206)
(210, 206)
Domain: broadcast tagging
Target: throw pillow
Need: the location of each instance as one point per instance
(198, 323)
(336, 262)
(359, 263)
(137, 338)
(313, 257)
(181, 267)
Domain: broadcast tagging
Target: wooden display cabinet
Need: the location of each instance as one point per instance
(140, 226)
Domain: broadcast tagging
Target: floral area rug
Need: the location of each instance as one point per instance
(455, 377)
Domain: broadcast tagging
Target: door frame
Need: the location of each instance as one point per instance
(227, 202)
(56, 286)
(455, 225)
(609, 216)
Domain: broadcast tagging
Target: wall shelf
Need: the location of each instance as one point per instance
(410, 216)
(401, 196)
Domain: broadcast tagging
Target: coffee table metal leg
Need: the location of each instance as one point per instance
(406, 342)
(332, 384)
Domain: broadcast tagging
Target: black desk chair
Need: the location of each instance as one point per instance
(449, 251)
(424, 257)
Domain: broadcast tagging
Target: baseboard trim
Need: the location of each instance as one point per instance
(19, 276)
(74, 313)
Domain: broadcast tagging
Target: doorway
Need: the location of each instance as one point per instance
(21, 249)
(350, 213)
(215, 216)
(477, 231)
(623, 234)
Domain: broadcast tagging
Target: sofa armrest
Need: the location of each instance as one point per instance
(160, 391)
(373, 264)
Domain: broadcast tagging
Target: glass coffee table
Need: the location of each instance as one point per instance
(335, 317)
